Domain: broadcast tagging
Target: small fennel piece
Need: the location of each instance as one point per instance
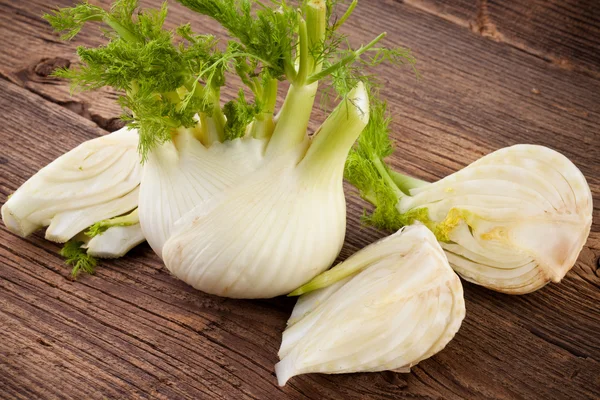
(76, 256)
(115, 242)
(100, 227)
(113, 238)
(512, 221)
(98, 179)
(387, 307)
(204, 162)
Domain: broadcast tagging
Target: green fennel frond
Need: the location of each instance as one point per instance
(155, 118)
(366, 171)
(71, 20)
(344, 68)
(266, 33)
(142, 60)
(239, 114)
(77, 257)
(154, 65)
(139, 50)
(171, 79)
(374, 142)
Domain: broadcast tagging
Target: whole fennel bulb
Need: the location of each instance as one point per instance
(279, 227)
(97, 180)
(226, 190)
(512, 221)
(387, 307)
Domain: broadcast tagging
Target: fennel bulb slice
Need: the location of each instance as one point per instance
(182, 173)
(387, 307)
(67, 224)
(98, 179)
(279, 227)
(512, 221)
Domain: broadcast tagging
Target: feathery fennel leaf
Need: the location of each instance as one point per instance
(239, 114)
(169, 77)
(343, 69)
(71, 20)
(140, 60)
(77, 257)
(366, 171)
(267, 33)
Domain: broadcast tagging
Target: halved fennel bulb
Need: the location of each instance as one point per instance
(387, 307)
(97, 180)
(277, 228)
(512, 221)
(182, 173)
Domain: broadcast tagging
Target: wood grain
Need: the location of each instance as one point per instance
(133, 331)
(565, 33)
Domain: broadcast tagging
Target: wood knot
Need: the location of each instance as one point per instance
(394, 379)
(47, 66)
(43, 342)
(483, 25)
(108, 124)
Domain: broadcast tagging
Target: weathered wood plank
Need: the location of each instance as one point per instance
(26, 41)
(174, 342)
(134, 329)
(564, 33)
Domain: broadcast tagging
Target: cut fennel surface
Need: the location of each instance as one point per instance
(115, 242)
(512, 221)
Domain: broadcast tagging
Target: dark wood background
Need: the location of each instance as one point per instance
(493, 74)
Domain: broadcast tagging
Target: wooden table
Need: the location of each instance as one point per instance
(492, 75)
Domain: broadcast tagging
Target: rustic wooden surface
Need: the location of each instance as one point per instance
(492, 75)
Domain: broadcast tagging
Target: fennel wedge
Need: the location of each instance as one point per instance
(387, 307)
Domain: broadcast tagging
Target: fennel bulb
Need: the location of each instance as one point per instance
(222, 187)
(97, 180)
(279, 227)
(512, 221)
(387, 307)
